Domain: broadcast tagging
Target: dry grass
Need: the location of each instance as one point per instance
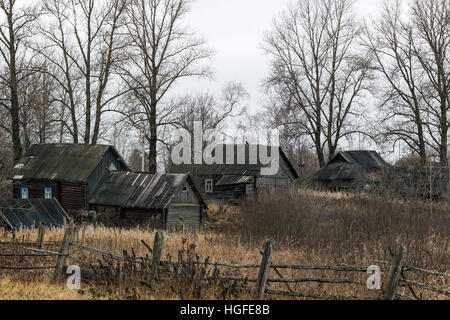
(13, 289)
(309, 228)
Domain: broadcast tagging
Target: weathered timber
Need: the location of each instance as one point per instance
(264, 269)
(157, 250)
(394, 273)
(63, 251)
(41, 234)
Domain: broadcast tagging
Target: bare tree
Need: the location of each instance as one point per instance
(411, 52)
(391, 42)
(13, 31)
(431, 20)
(211, 111)
(38, 113)
(319, 68)
(81, 39)
(161, 51)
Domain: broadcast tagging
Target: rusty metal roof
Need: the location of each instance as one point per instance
(61, 162)
(140, 190)
(16, 213)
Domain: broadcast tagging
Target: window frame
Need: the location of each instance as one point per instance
(209, 182)
(45, 192)
(22, 189)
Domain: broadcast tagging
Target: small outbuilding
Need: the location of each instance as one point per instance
(352, 170)
(130, 198)
(16, 214)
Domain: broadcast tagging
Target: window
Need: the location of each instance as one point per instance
(48, 193)
(24, 193)
(185, 189)
(208, 186)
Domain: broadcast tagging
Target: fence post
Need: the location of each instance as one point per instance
(83, 233)
(76, 236)
(64, 249)
(394, 273)
(157, 250)
(264, 269)
(41, 234)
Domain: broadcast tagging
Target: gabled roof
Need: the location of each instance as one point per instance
(352, 165)
(61, 162)
(369, 160)
(140, 190)
(246, 169)
(28, 213)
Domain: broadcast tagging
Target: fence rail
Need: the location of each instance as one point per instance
(395, 277)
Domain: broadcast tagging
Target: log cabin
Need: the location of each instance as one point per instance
(68, 172)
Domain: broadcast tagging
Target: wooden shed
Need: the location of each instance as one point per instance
(130, 198)
(351, 170)
(242, 179)
(68, 172)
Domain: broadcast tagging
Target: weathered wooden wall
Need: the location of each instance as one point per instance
(108, 162)
(71, 196)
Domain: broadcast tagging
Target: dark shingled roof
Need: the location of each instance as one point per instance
(61, 162)
(28, 213)
(246, 169)
(350, 165)
(139, 190)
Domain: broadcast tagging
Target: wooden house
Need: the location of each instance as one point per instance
(68, 172)
(141, 198)
(243, 178)
(351, 170)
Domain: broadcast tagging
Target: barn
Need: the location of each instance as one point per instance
(17, 214)
(351, 170)
(236, 182)
(129, 198)
(68, 172)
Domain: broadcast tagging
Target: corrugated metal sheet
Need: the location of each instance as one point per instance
(139, 190)
(28, 213)
(62, 162)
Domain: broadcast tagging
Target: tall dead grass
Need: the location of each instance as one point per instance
(309, 228)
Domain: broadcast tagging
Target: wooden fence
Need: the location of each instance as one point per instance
(395, 278)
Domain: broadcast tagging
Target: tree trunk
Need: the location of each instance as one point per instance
(15, 125)
(153, 141)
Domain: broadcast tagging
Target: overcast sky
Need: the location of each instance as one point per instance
(234, 29)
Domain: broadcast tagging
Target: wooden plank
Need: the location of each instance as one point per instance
(157, 250)
(264, 269)
(41, 234)
(63, 251)
(394, 273)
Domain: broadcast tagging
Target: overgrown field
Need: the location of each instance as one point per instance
(308, 228)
